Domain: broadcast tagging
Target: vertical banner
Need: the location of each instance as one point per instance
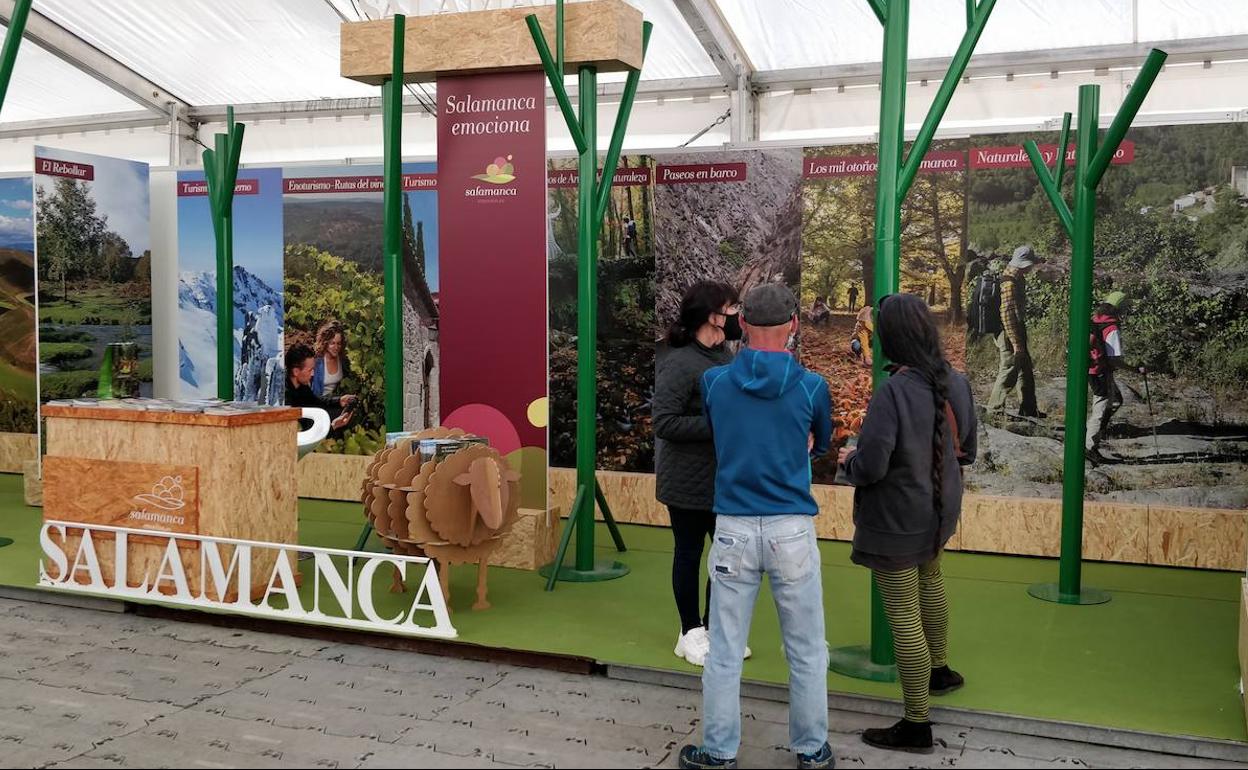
(94, 267)
(18, 394)
(492, 211)
(259, 373)
(626, 325)
(333, 292)
(838, 267)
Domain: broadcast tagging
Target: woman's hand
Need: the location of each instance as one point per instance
(843, 456)
(346, 400)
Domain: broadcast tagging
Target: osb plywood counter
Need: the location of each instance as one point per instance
(217, 475)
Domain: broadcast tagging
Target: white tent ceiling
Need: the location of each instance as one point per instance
(90, 65)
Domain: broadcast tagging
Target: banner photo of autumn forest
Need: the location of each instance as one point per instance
(1171, 265)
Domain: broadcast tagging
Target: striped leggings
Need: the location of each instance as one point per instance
(918, 613)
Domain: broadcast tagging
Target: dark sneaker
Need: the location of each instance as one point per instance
(820, 760)
(914, 737)
(694, 757)
(945, 680)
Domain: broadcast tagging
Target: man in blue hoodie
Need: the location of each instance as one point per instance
(768, 416)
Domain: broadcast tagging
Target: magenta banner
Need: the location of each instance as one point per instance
(492, 219)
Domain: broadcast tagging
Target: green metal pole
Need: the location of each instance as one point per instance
(12, 41)
(221, 171)
(944, 95)
(587, 320)
(888, 198)
(1070, 573)
(1091, 162)
(392, 245)
(8, 56)
(592, 200)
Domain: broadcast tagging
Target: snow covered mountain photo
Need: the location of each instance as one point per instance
(258, 368)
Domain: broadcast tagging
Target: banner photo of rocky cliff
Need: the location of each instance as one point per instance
(259, 371)
(626, 307)
(1172, 242)
(93, 257)
(333, 289)
(838, 264)
(19, 395)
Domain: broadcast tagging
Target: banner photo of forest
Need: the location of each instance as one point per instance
(626, 309)
(1172, 236)
(259, 373)
(18, 392)
(93, 257)
(333, 290)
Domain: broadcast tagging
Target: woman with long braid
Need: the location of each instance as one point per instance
(919, 430)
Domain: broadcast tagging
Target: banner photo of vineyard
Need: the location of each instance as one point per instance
(259, 368)
(626, 315)
(18, 392)
(838, 264)
(94, 261)
(333, 291)
(1172, 255)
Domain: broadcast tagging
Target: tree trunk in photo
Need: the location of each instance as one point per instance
(645, 213)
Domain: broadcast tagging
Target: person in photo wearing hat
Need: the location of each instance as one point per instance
(768, 416)
(1105, 351)
(1017, 374)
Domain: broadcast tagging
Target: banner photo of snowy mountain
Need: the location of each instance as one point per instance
(18, 392)
(93, 261)
(334, 302)
(259, 373)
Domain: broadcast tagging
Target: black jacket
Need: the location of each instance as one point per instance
(684, 449)
(894, 512)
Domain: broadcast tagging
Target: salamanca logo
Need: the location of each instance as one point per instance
(168, 496)
(484, 117)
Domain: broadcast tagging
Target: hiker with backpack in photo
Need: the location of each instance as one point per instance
(1106, 354)
(920, 430)
(1017, 373)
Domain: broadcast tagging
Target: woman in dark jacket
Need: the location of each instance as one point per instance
(684, 450)
(919, 432)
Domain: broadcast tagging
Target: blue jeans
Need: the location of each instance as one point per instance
(783, 547)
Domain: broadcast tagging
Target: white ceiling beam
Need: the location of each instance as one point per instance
(1014, 63)
(67, 46)
(649, 89)
(730, 58)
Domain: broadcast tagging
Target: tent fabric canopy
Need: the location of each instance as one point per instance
(208, 53)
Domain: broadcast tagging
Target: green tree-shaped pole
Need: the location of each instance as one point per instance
(895, 175)
(392, 243)
(1091, 163)
(8, 56)
(221, 172)
(593, 197)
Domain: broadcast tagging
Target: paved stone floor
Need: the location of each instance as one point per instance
(87, 689)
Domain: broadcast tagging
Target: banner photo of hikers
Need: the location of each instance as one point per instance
(1168, 417)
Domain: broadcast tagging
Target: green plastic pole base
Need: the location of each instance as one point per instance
(602, 571)
(5, 541)
(856, 662)
(1049, 592)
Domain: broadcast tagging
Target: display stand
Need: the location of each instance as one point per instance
(1091, 163)
(601, 35)
(8, 56)
(593, 194)
(221, 172)
(896, 173)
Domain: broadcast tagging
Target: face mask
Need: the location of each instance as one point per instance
(732, 328)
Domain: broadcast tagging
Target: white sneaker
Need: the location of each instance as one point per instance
(695, 645)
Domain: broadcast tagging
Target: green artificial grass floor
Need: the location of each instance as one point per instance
(1161, 657)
